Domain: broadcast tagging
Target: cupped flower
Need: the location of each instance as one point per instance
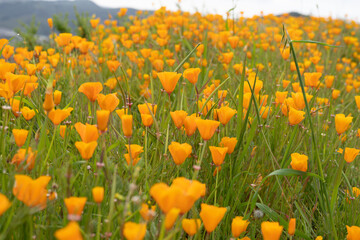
(190, 124)
(271, 230)
(102, 119)
(20, 136)
(169, 80)
(225, 114)
(211, 216)
(238, 226)
(295, 116)
(24, 154)
(147, 108)
(192, 74)
(88, 133)
(342, 123)
(218, 154)
(134, 231)
(206, 128)
(228, 142)
(180, 152)
(353, 233)
(108, 102)
(86, 149)
(59, 115)
(191, 226)
(98, 194)
(91, 90)
(126, 123)
(178, 118)
(299, 162)
(70, 232)
(75, 206)
(350, 154)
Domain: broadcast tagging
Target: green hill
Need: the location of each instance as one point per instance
(14, 12)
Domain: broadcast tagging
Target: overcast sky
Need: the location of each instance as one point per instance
(325, 8)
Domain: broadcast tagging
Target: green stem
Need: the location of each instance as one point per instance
(48, 153)
(98, 229)
(337, 184)
(196, 172)
(216, 184)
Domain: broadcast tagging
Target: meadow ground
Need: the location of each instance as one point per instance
(182, 126)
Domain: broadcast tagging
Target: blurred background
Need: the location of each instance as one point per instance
(30, 16)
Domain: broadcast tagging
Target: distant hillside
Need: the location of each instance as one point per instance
(15, 11)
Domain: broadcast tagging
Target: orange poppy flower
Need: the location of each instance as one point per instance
(295, 116)
(191, 226)
(228, 142)
(271, 230)
(20, 136)
(5, 204)
(180, 152)
(22, 155)
(113, 65)
(27, 113)
(108, 102)
(225, 114)
(59, 115)
(192, 74)
(71, 231)
(342, 123)
(169, 80)
(87, 132)
(126, 123)
(75, 206)
(190, 124)
(31, 192)
(102, 119)
(134, 231)
(178, 118)
(218, 154)
(91, 90)
(206, 128)
(86, 149)
(211, 216)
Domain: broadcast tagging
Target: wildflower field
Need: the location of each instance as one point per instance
(173, 125)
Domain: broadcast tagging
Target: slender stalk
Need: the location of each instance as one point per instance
(98, 228)
(196, 172)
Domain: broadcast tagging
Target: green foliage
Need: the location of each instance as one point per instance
(28, 32)
(61, 23)
(82, 23)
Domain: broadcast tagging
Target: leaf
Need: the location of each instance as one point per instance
(314, 42)
(292, 172)
(186, 58)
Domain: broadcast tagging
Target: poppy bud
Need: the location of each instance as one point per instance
(50, 22)
(57, 97)
(102, 119)
(126, 122)
(292, 225)
(48, 104)
(98, 194)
